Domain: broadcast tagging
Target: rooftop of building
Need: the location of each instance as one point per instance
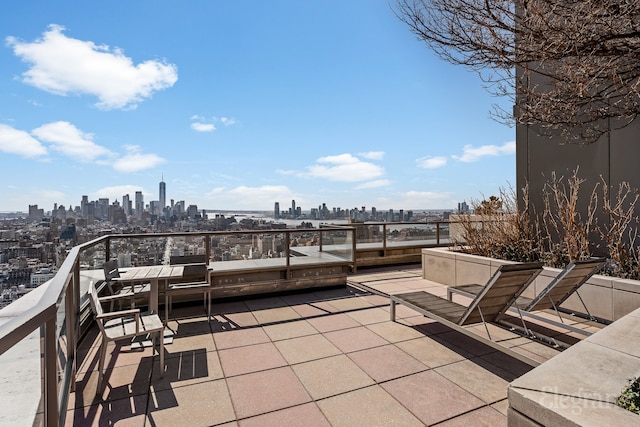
(326, 357)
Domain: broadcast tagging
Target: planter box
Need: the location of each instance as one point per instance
(606, 297)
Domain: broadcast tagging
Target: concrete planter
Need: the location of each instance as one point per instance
(606, 297)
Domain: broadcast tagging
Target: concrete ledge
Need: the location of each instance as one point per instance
(578, 387)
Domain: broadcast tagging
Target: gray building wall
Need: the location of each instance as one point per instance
(615, 157)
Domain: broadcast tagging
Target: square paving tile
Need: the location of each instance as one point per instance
(239, 338)
(386, 362)
(369, 316)
(272, 315)
(355, 339)
(288, 330)
(476, 380)
(251, 358)
(351, 303)
(430, 352)
(177, 406)
(129, 412)
(180, 343)
(186, 368)
(232, 321)
(395, 332)
(304, 415)
(330, 376)
(370, 406)
(333, 322)
(303, 349)
(431, 397)
(266, 391)
(483, 417)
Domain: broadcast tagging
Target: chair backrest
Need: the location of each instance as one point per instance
(195, 267)
(566, 283)
(504, 287)
(111, 270)
(96, 307)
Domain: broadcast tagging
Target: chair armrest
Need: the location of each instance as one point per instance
(108, 298)
(122, 313)
(112, 314)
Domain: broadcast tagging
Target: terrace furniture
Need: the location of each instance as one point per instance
(195, 280)
(121, 325)
(488, 306)
(565, 284)
(121, 289)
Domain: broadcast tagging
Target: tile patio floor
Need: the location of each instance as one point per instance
(323, 358)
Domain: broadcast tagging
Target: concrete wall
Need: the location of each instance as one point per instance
(613, 157)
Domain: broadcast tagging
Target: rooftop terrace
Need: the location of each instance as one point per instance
(321, 350)
(329, 357)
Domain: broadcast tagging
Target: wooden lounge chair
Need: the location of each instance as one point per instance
(504, 287)
(131, 291)
(558, 291)
(121, 325)
(195, 280)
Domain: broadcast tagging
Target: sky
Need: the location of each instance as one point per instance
(237, 105)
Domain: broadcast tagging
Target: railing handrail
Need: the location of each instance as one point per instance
(19, 327)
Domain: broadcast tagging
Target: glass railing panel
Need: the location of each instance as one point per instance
(369, 235)
(411, 234)
(251, 249)
(140, 251)
(445, 233)
(181, 245)
(337, 243)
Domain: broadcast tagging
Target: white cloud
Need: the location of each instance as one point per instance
(227, 121)
(431, 162)
(344, 168)
(203, 127)
(373, 184)
(473, 154)
(373, 155)
(19, 142)
(135, 161)
(62, 65)
(117, 191)
(70, 141)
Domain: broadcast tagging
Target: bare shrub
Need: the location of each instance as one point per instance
(498, 229)
(560, 234)
(621, 232)
(567, 232)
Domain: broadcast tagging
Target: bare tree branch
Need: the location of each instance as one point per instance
(568, 65)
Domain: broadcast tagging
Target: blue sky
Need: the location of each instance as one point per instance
(239, 104)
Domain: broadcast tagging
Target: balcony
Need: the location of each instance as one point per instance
(301, 335)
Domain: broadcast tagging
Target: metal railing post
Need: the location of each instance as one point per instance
(353, 249)
(288, 253)
(51, 415)
(438, 233)
(207, 248)
(384, 239)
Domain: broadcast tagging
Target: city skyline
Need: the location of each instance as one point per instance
(236, 106)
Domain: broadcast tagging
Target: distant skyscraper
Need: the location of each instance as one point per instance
(463, 208)
(139, 203)
(276, 210)
(126, 204)
(163, 195)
